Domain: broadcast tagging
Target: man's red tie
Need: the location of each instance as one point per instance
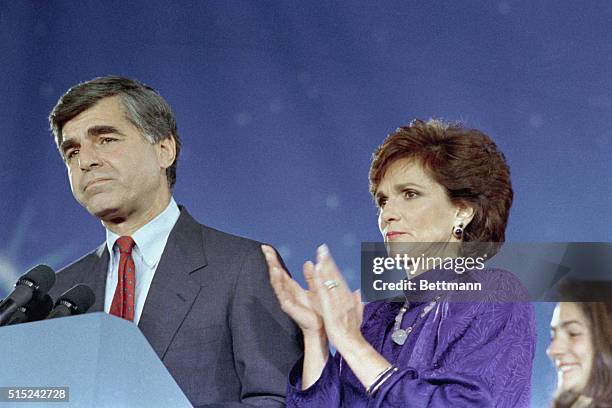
(123, 301)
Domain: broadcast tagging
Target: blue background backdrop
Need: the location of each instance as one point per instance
(280, 105)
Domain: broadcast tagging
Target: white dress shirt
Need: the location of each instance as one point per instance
(150, 242)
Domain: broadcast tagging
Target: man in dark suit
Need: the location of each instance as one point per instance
(201, 297)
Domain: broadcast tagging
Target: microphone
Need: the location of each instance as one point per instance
(74, 301)
(37, 309)
(36, 282)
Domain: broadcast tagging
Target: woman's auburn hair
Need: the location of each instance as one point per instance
(466, 162)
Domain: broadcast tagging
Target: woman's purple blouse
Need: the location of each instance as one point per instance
(461, 354)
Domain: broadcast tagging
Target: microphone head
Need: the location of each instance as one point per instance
(36, 309)
(42, 276)
(39, 308)
(79, 299)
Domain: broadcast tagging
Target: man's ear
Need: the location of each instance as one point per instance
(166, 151)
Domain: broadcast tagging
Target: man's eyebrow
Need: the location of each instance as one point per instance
(102, 130)
(91, 132)
(67, 144)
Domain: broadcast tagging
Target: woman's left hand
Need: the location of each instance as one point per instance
(341, 309)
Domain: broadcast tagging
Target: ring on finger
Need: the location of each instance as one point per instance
(331, 284)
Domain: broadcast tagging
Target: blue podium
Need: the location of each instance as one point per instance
(103, 360)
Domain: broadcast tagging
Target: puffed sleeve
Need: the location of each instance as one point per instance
(325, 392)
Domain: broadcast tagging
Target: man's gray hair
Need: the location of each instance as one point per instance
(143, 106)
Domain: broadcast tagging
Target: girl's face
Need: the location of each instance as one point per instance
(571, 348)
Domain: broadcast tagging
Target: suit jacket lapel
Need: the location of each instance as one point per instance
(174, 286)
(100, 270)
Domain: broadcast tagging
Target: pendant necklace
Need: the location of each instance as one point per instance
(400, 335)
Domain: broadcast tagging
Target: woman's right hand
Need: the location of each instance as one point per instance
(301, 305)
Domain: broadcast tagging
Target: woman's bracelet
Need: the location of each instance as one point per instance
(380, 379)
(381, 382)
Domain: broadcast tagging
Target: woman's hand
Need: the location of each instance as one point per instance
(327, 310)
(342, 313)
(341, 309)
(301, 305)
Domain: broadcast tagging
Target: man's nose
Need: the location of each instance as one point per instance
(88, 158)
